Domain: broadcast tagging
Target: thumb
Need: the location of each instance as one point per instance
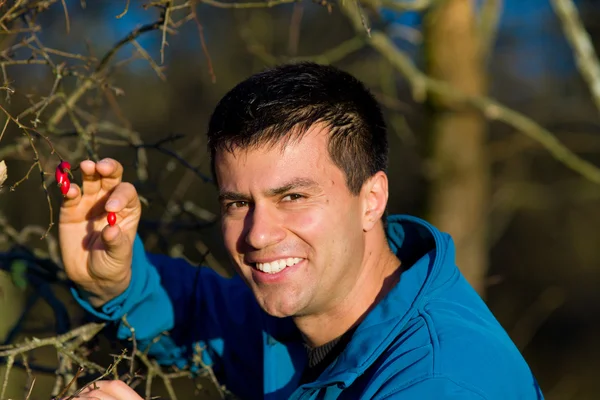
(116, 243)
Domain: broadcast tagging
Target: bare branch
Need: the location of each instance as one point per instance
(124, 11)
(422, 85)
(166, 19)
(406, 5)
(194, 15)
(89, 83)
(491, 12)
(148, 58)
(64, 4)
(580, 41)
(8, 367)
(258, 4)
(86, 332)
(490, 108)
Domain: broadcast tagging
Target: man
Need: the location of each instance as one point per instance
(333, 299)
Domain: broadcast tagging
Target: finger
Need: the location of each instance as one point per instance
(73, 196)
(95, 395)
(91, 179)
(118, 389)
(116, 243)
(124, 196)
(111, 172)
(94, 392)
(103, 175)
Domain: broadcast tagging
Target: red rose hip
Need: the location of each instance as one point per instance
(64, 166)
(64, 186)
(111, 218)
(60, 176)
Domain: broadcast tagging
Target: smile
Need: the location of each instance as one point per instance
(276, 266)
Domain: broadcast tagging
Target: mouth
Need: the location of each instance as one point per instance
(276, 266)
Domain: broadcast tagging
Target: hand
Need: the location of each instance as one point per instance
(109, 390)
(96, 256)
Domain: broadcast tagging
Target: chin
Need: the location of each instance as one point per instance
(279, 308)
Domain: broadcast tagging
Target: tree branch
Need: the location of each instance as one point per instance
(422, 86)
(582, 45)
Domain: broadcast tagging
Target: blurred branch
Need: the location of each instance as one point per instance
(67, 21)
(257, 4)
(124, 11)
(491, 11)
(422, 85)
(151, 61)
(330, 56)
(337, 53)
(582, 45)
(85, 333)
(404, 5)
(166, 18)
(74, 97)
(194, 15)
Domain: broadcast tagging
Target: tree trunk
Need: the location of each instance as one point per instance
(459, 195)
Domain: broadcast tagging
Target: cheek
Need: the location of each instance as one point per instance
(232, 232)
(305, 223)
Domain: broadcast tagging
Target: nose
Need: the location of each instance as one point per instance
(263, 227)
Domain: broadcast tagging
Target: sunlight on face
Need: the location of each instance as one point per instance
(290, 224)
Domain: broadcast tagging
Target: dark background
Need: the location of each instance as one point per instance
(544, 251)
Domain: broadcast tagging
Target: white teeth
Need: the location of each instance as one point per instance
(277, 265)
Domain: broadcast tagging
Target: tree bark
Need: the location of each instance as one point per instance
(459, 179)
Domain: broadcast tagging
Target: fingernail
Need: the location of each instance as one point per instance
(104, 161)
(111, 205)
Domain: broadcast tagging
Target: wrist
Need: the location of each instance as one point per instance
(100, 292)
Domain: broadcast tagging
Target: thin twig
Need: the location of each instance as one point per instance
(9, 363)
(257, 4)
(87, 332)
(163, 42)
(124, 11)
(102, 65)
(406, 5)
(4, 129)
(194, 15)
(23, 179)
(150, 60)
(582, 45)
(64, 4)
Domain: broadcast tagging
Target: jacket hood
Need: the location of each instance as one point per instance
(427, 256)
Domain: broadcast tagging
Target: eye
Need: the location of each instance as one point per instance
(236, 205)
(292, 197)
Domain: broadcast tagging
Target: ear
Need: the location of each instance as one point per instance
(375, 197)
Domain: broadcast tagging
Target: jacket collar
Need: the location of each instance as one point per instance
(428, 258)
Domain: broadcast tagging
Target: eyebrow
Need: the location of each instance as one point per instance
(294, 184)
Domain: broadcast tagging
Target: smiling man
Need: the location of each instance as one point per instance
(332, 299)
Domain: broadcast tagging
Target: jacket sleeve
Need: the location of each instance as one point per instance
(432, 388)
(197, 308)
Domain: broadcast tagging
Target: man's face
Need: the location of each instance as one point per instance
(291, 225)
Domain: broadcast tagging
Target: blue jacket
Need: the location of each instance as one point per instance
(431, 337)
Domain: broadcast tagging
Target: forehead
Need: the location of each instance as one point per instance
(269, 165)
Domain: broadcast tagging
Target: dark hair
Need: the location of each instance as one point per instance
(283, 102)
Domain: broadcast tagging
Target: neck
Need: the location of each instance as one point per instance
(379, 273)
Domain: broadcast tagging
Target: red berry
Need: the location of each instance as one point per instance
(64, 166)
(111, 218)
(60, 176)
(64, 187)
